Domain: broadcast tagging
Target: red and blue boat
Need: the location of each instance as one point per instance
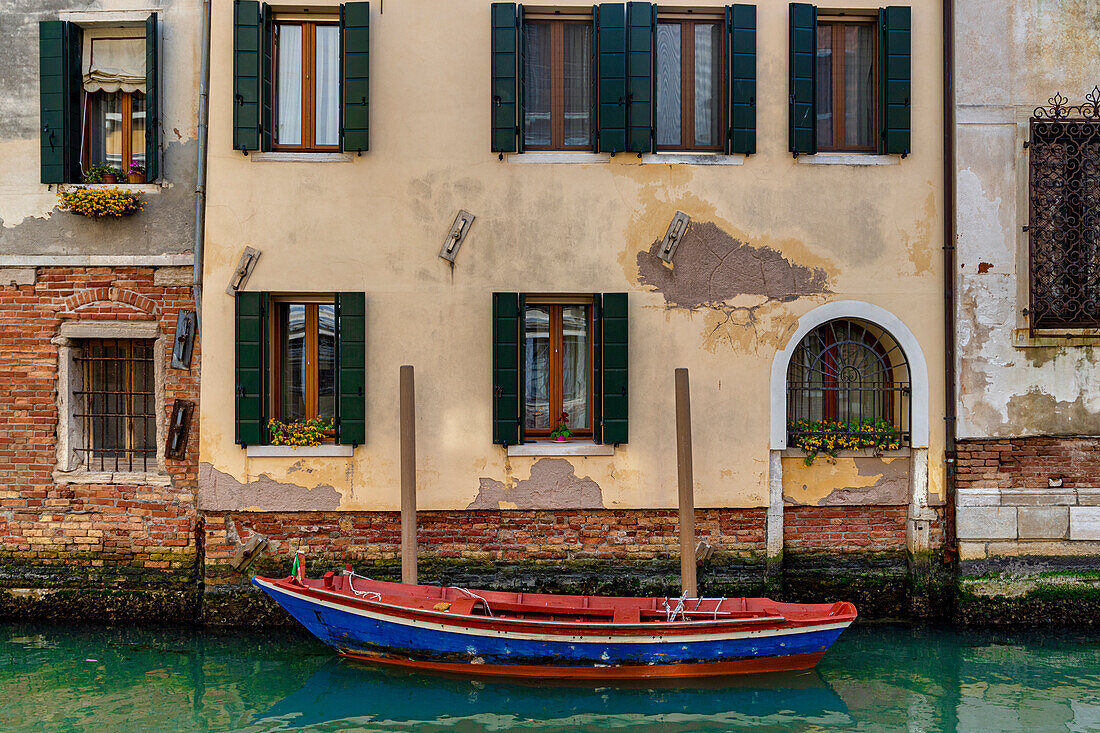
(482, 632)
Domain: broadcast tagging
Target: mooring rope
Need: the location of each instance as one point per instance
(488, 611)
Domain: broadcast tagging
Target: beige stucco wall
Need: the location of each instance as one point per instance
(1008, 63)
(30, 223)
(376, 224)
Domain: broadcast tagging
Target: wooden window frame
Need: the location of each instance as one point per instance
(127, 113)
(309, 90)
(687, 81)
(556, 303)
(557, 83)
(838, 88)
(312, 339)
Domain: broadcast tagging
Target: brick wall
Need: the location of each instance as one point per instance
(109, 533)
(480, 535)
(846, 528)
(1028, 463)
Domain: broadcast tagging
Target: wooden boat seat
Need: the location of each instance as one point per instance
(627, 616)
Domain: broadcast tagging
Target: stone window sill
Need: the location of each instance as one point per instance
(121, 478)
(567, 448)
(296, 157)
(563, 156)
(692, 159)
(857, 453)
(1025, 338)
(288, 451)
(856, 159)
(150, 188)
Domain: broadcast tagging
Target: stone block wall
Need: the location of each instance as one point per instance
(56, 529)
(1029, 500)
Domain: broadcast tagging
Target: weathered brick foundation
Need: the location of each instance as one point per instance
(83, 534)
(845, 528)
(1028, 463)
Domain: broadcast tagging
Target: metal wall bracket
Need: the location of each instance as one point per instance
(184, 343)
(457, 234)
(676, 231)
(179, 429)
(243, 270)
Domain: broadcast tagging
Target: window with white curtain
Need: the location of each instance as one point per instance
(847, 85)
(113, 71)
(557, 366)
(307, 84)
(690, 84)
(557, 79)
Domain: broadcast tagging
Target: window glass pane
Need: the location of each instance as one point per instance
(668, 84)
(825, 86)
(288, 90)
(859, 85)
(578, 83)
(327, 81)
(106, 128)
(708, 77)
(326, 360)
(137, 138)
(574, 367)
(292, 362)
(537, 367)
(537, 62)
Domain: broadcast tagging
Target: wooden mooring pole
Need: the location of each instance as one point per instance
(408, 476)
(686, 488)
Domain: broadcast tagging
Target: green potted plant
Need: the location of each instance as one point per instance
(135, 173)
(101, 173)
(561, 431)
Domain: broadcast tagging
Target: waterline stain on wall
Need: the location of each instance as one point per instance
(553, 484)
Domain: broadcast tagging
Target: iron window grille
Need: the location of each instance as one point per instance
(848, 379)
(1064, 214)
(116, 405)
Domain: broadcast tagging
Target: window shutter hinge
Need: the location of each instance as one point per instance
(1025, 227)
(1027, 144)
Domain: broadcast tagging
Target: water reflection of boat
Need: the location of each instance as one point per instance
(545, 636)
(343, 690)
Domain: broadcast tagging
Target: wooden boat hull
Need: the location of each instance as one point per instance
(385, 634)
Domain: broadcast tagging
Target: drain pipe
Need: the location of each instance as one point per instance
(949, 240)
(200, 167)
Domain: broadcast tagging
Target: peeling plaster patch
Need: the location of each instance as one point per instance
(712, 267)
(553, 485)
(850, 481)
(891, 487)
(221, 492)
(747, 327)
(1036, 409)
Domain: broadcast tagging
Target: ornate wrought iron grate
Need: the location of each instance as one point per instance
(116, 405)
(845, 376)
(1064, 214)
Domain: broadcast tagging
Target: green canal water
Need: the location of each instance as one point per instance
(56, 678)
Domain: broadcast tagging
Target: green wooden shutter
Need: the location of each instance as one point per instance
(251, 311)
(248, 74)
(355, 90)
(802, 112)
(59, 96)
(507, 331)
(152, 99)
(267, 84)
(741, 54)
(613, 368)
(641, 27)
(611, 55)
(505, 77)
(351, 378)
(895, 49)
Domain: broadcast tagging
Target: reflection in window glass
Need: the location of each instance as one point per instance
(574, 365)
(292, 360)
(106, 128)
(859, 85)
(537, 368)
(825, 86)
(668, 84)
(326, 360)
(578, 83)
(137, 137)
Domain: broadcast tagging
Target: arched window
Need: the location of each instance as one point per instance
(848, 382)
